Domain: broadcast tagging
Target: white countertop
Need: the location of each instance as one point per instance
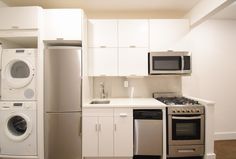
(128, 102)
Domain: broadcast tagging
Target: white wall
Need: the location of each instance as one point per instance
(213, 45)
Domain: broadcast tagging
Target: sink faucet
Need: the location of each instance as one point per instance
(102, 91)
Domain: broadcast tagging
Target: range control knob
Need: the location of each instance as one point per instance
(174, 111)
(183, 111)
(192, 110)
(188, 111)
(197, 110)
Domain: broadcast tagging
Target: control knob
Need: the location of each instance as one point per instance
(197, 110)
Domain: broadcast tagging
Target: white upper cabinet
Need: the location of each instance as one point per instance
(64, 24)
(133, 62)
(103, 61)
(133, 33)
(102, 33)
(19, 18)
(166, 33)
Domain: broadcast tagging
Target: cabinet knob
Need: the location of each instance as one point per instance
(123, 114)
(15, 27)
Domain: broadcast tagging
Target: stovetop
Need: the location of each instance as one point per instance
(177, 101)
(174, 99)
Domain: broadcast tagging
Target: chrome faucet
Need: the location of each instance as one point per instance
(102, 91)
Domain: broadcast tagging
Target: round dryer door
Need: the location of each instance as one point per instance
(18, 127)
(19, 73)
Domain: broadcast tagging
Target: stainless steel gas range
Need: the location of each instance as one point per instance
(185, 126)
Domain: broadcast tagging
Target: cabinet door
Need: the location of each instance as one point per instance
(90, 136)
(103, 61)
(63, 24)
(133, 61)
(165, 33)
(102, 33)
(105, 136)
(133, 33)
(123, 136)
(19, 17)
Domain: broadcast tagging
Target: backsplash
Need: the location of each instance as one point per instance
(143, 87)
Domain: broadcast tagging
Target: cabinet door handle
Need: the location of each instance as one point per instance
(132, 46)
(60, 38)
(80, 126)
(115, 127)
(96, 127)
(103, 46)
(99, 127)
(123, 114)
(15, 27)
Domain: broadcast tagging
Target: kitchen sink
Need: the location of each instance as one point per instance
(100, 102)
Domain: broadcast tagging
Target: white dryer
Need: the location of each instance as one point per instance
(18, 129)
(18, 74)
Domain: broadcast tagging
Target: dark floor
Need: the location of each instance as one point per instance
(225, 149)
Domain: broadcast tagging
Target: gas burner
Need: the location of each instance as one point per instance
(177, 101)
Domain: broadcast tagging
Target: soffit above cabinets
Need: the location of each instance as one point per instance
(111, 5)
(227, 13)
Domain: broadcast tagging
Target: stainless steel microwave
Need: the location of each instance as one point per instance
(169, 62)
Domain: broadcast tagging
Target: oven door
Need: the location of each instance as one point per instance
(186, 130)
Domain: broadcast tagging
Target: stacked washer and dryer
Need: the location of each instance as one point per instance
(18, 111)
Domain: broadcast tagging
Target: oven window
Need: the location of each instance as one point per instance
(166, 63)
(186, 129)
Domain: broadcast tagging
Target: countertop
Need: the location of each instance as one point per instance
(128, 102)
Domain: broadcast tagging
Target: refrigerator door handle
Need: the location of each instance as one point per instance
(80, 126)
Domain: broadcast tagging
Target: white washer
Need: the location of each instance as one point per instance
(18, 129)
(18, 74)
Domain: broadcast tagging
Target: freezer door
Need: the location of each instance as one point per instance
(63, 136)
(62, 79)
(148, 137)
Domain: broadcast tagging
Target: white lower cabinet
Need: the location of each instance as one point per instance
(90, 136)
(98, 136)
(123, 136)
(107, 133)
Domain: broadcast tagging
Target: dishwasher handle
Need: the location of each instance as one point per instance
(148, 114)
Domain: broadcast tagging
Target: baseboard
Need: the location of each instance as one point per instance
(225, 135)
(210, 156)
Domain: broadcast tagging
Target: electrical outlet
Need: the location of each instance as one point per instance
(126, 84)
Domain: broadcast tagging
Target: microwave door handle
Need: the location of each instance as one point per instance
(182, 63)
(186, 118)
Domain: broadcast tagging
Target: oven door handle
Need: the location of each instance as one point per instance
(186, 118)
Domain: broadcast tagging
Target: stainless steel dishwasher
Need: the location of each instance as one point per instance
(148, 134)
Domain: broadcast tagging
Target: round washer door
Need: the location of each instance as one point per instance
(18, 127)
(19, 73)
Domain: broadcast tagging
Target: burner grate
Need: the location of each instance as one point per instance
(177, 101)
